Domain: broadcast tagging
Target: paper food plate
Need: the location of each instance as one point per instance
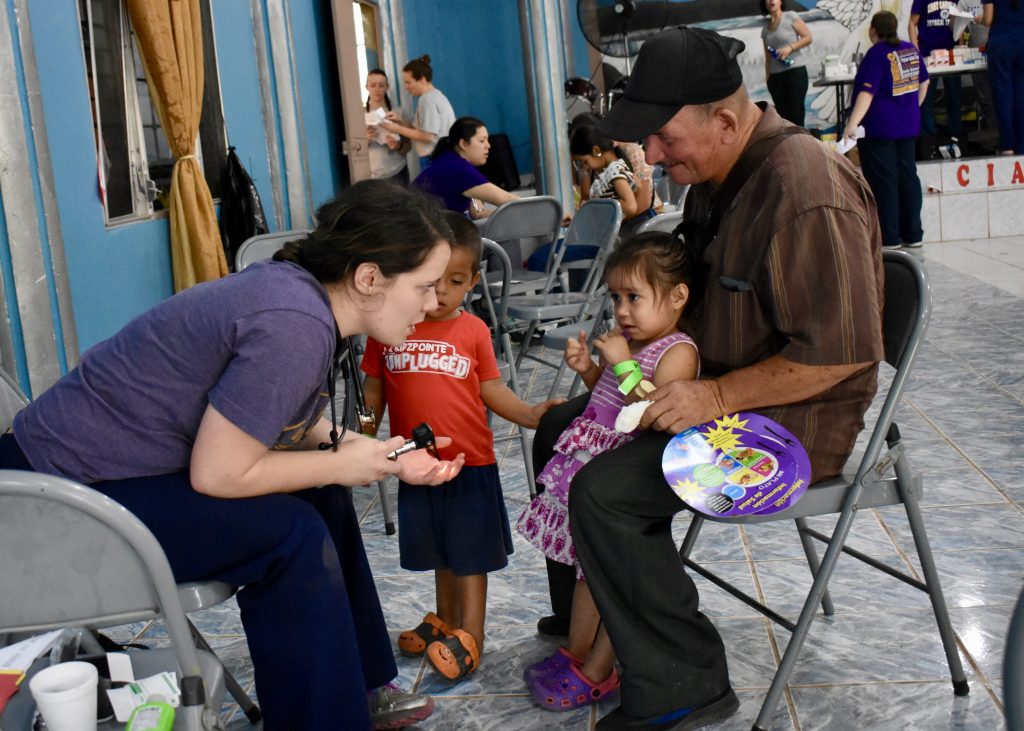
(739, 464)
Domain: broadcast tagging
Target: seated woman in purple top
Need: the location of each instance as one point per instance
(204, 418)
(890, 85)
(452, 175)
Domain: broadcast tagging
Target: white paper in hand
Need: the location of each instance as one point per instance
(373, 119)
(629, 416)
(846, 144)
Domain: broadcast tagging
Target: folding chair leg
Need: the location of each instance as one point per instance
(696, 523)
(558, 377)
(574, 389)
(803, 625)
(385, 507)
(251, 710)
(525, 344)
(811, 552)
(931, 578)
(524, 441)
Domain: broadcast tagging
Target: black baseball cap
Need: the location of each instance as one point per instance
(676, 67)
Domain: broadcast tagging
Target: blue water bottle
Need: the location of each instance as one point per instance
(775, 54)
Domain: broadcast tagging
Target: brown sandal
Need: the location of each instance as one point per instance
(456, 656)
(414, 642)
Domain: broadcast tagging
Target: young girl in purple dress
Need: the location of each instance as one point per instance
(651, 277)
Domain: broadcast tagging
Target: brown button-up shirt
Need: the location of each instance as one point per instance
(817, 297)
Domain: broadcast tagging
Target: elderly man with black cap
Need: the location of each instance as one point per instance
(790, 327)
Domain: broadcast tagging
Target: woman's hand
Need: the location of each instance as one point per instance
(419, 467)
(577, 354)
(365, 460)
(784, 52)
(851, 131)
(613, 347)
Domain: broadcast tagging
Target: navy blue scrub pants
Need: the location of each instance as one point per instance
(309, 606)
(1006, 71)
(951, 87)
(891, 171)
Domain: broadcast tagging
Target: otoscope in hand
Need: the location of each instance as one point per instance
(422, 438)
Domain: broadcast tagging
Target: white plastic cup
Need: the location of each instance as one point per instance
(66, 696)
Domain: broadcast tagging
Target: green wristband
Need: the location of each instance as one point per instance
(626, 366)
(627, 386)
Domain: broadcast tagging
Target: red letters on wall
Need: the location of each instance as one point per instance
(964, 171)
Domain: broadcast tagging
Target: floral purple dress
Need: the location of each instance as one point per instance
(545, 522)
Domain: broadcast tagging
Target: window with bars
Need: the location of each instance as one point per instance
(135, 161)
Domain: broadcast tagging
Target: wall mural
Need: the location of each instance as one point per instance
(839, 27)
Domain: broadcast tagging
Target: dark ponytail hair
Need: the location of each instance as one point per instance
(584, 139)
(583, 119)
(462, 130)
(387, 99)
(374, 221)
(420, 68)
(663, 260)
(884, 24)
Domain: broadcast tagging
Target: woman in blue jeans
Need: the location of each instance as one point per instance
(1006, 70)
(890, 85)
(203, 417)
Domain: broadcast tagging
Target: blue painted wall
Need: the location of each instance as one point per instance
(114, 273)
(312, 31)
(240, 93)
(477, 58)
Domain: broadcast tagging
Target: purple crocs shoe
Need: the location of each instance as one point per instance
(554, 663)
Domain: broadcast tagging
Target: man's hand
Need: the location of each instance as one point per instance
(681, 404)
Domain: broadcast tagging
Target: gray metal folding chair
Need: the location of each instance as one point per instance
(883, 477)
(263, 247)
(538, 217)
(193, 595)
(495, 293)
(666, 222)
(596, 223)
(79, 559)
(1013, 669)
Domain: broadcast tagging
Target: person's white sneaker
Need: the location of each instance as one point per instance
(393, 707)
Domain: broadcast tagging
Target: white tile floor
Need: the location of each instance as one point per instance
(878, 663)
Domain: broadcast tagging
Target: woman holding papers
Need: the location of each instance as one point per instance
(434, 114)
(387, 149)
(889, 88)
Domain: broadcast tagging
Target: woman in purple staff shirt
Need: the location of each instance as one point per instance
(889, 88)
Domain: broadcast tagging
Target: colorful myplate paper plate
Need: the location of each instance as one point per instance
(739, 464)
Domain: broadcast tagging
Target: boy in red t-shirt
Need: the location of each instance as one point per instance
(446, 374)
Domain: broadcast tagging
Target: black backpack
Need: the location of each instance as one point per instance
(241, 212)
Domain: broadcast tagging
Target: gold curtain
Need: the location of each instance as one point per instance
(170, 38)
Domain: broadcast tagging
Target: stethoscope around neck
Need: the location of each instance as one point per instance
(344, 361)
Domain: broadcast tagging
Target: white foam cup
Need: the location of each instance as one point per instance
(66, 696)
